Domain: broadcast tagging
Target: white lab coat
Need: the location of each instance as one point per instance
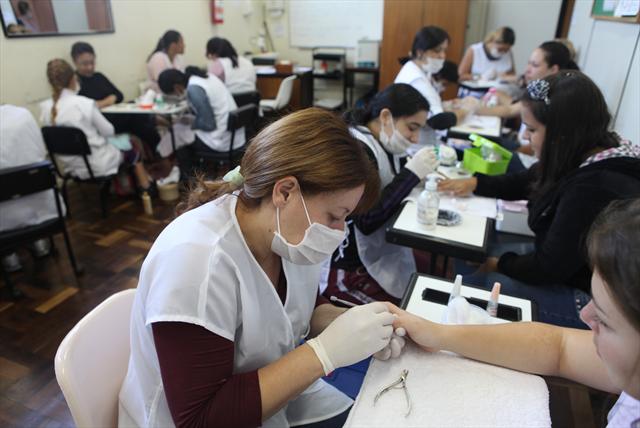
(389, 264)
(221, 103)
(412, 74)
(201, 271)
(21, 144)
(482, 63)
(159, 62)
(241, 78)
(82, 112)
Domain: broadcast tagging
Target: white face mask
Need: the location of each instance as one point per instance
(318, 243)
(433, 65)
(495, 53)
(397, 144)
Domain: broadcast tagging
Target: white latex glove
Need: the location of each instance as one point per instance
(423, 163)
(471, 104)
(395, 346)
(356, 334)
(490, 74)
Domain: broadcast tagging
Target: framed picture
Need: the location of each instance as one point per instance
(616, 10)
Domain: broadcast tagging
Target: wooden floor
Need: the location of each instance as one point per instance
(111, 251)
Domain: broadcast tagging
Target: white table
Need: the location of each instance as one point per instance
(166, 110)
(467, 241)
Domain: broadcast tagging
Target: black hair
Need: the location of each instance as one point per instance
(577, 122)
(401, 99)
(448, 72)
(80, 48)
(23, 7)
(171, 77)
(171, 36)
(613, 245)
(508, 36)
(428, 38)
(223, 49)
(556, 53)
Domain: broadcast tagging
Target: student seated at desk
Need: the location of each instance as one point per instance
(97, 86)
(490, 59)
(582, 168)
(211, 103)
(237, 72)
(606, 358)
(229, 290)
(428, 53)
(448, 75)
(367, 268)
(167, 55)
(66, 108)
(21, 145)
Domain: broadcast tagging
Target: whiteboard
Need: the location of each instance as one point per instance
(334, 23)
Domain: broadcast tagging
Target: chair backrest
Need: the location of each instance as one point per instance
(19, 181)
(284, 92)
(92, 361)
(242, 117)
(65, 140)
(248, 97)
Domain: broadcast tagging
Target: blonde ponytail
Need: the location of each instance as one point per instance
(60, 74)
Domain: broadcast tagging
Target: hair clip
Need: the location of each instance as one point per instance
(539, 90)
(234, 177)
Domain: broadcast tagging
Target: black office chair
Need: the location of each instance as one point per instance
(248, 97)
(17, 182)
(70, 141)
(244, 117)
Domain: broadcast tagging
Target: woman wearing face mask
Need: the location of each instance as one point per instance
(428, 53)
(367, 268)
(582, 167)
(606, 358)
(230, 289)
(490, 59)
(167, 54)
(66, 108)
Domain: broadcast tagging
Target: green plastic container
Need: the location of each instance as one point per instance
(473, 161)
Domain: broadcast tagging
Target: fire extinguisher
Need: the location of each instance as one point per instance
(217, 11)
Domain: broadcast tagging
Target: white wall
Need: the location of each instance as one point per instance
(534, 22)
(608, 53)
(122, 55)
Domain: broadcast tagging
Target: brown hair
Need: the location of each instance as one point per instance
(313, 145)
(503, 35)
(613, 245)
(60, 74)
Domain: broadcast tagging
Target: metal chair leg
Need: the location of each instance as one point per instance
(104, 195)
(65, 196)
(77, 268)
(13, 292)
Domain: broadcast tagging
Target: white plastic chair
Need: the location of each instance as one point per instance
(92, 361)
(283, 97)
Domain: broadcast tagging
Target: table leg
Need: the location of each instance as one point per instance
(173, 137)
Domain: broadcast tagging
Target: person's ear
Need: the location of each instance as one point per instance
(385, 116)
(283, 189)
(554, 69)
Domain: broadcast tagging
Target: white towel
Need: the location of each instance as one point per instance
(450, 391)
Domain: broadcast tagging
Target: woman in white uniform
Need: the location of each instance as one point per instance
(229, 289)
(21, 145)
(66, 108)
(235, 71)
(368, 268)
(491, 58)
(428, 53)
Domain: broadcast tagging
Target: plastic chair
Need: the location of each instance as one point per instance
(243, 117)
(70, 141)
(284, 95)
(92, 361)
(17, 182)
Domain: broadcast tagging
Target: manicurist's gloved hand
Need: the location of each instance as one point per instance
(395, 346)
(353, 336)
(423, 163)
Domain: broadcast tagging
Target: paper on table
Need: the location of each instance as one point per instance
(450, 391)
(485, 125)
(473, 205)
(265, 69)
(627, 8)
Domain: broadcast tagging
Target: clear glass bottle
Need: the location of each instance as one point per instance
(429, 203)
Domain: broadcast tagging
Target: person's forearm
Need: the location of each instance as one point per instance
(528, 347)
(465, 76)
(288, 377)
(324, 315)
(106, 102)
(460, 115)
